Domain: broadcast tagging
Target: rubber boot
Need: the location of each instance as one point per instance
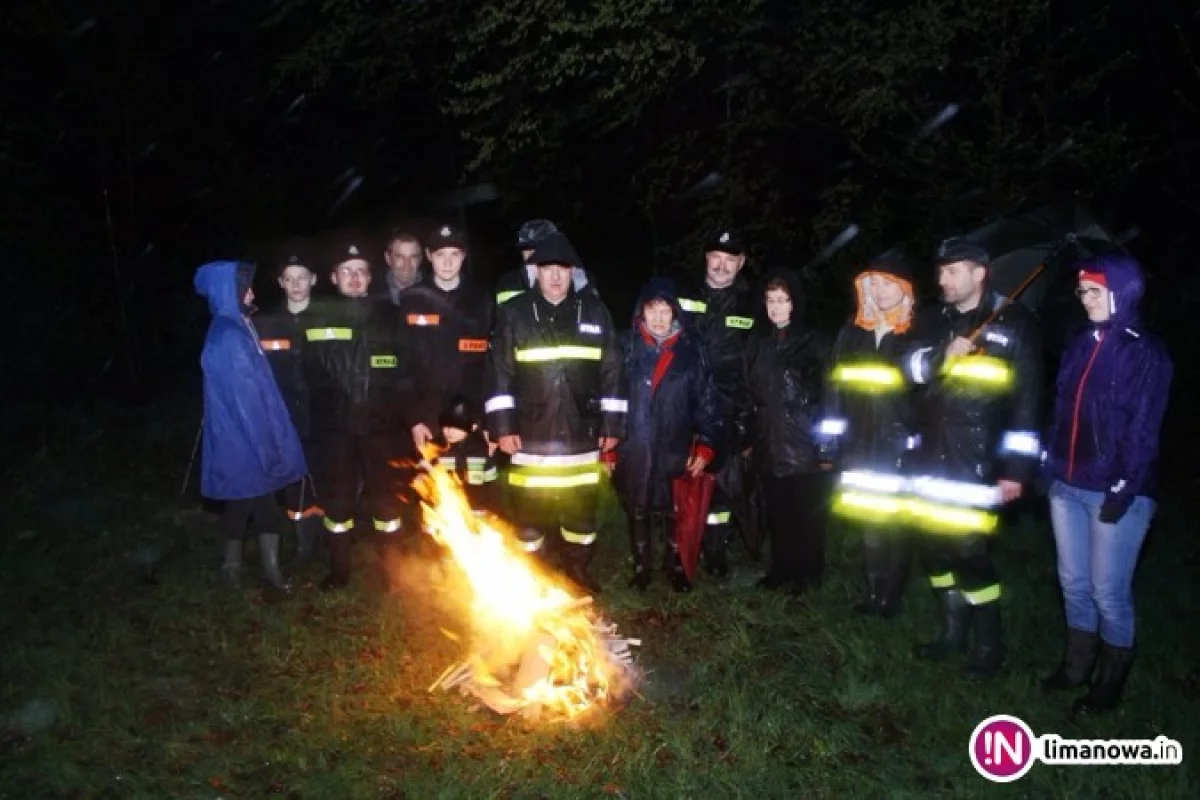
(268, 554)
(576, 558)
(986, 651)
(642, 544)
(231, 568)
(1108, 681)
(1078, 660)
(956, 613)
(339, 561)
(716, 549)
(895, 576)
(672, 562)
(872, 604)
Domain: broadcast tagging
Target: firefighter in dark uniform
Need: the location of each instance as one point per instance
(869, 425)
(357, 373)
(554, 404)
(281, 335)
(978, 429)
(522, 279)
(446, 322)
(721, 309)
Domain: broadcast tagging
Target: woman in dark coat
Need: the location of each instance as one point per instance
(1103, 454)
(671, 424)
(786, 367)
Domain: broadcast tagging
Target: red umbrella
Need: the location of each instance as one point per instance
(691, 495)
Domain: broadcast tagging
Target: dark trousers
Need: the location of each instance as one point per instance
(797, 517)
(542, 513)
(345, 462)
(261, 513)
(963, 563)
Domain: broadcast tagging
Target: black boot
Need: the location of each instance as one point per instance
(873, 571)
(716, 550)
(307, 531)
(576, 558)
(986, 652)
(1079, 657)
(641, 541)
(339, 562)
(872, 604)
(268, 552)
(956, 612)
(672, 561)
(895, 575)
(1108, 681)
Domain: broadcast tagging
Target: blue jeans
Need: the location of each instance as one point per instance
(1096, 560)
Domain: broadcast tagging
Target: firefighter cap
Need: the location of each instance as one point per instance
(726, 241)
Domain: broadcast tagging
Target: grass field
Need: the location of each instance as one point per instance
(128, 671)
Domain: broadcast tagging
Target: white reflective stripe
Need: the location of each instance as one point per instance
(880, 482)
(956, 492)
(499, 402)
(533, 545)
(916, 365)
(614, 404)
(912, 442)
(578, 460)
(1024, 443)
(831, 427)
(338, 527)
(718, 518)
(1119, 486)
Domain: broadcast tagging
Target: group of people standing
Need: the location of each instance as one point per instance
(917, 425)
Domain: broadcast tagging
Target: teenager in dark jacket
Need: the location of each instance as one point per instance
(672, 425)
(251, 450)
(786, 368)
(869, 419)
(1103, 451)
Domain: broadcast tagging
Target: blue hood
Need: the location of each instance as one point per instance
(1126, 284)
(659, 288)
(224, 284)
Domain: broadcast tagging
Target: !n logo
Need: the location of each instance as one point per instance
(1002, 748)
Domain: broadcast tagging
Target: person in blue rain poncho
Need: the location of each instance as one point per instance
(251, 450)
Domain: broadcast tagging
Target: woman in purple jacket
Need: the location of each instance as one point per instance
(1112, 393)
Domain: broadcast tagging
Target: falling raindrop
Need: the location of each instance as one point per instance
(150, 148)
(345, 176)
(296, 104)
(734, 82)
(841, 240)
(703, 185)
(1129, 235)
(147, 250)
(938, 120)
(81, 28)
(215, 56)
(350, 189)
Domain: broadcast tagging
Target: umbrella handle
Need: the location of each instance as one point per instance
(1008, 301)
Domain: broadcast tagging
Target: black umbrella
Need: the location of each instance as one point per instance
(1032, 253)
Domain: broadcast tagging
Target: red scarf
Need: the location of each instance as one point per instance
(666, 354)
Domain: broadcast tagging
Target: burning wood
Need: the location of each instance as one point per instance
(533, 647)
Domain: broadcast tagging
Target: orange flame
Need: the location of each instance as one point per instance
(516, 611)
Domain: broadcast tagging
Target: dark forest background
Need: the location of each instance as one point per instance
(139, 139)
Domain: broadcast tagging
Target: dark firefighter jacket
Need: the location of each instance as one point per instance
(978, 419)
(870, 407)
(786, 369)
(725, 320)
(672, 403)
(356, 368)
(447, 334)
(554, 374)
(281, 336)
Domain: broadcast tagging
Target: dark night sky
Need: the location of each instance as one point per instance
(175, 110)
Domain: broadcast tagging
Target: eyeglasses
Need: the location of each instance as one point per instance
(1092, 292)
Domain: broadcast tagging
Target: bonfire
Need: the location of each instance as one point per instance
(533, 647)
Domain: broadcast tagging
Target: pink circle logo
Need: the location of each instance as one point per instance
(1002, 748)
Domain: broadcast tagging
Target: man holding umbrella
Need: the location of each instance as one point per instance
(980, 359)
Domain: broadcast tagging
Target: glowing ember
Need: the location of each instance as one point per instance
(534, 647)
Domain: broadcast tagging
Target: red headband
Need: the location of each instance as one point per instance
(1094, 277)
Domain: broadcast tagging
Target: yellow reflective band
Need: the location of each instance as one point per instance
(986, 370)
(988, 594)
(578, 538)
(383, 362)
(745, 323)
(869, 377)
(866, 506)
(478, 477)
(693, 306)
(329, 334)
(504, 297)
(553, 481)
(943, 581)
(338, 527)
(936, 518)
(560, 353)
(719, 518)
(387, 525)
(534, 546)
